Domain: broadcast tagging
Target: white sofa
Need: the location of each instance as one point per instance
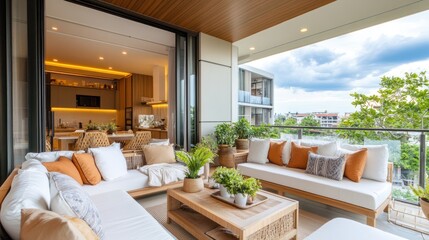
(121, 216)
(367, 197)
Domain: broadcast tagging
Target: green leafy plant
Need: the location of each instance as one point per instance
(225, 134)
(195, 160)
(420, 192)
(243, 129)
(210, 143)
(93, 126)
(225, 176)
(248, 186)
(111, 126)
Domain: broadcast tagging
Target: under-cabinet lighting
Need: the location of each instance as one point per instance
(84, 68)
(61, 109)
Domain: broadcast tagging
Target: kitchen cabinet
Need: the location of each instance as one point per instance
(65, 96)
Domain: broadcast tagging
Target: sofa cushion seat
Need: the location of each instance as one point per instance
(367, 193)
(133, 180)
(123, 218)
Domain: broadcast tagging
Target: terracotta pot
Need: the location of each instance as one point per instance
(226, 156)
(242, 144)
(425, 207)
(192, 185)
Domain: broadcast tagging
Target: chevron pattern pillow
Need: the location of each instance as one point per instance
(329, 167)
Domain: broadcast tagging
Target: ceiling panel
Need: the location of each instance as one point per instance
(225, 19)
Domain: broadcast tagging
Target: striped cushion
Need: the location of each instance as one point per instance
(329, 167)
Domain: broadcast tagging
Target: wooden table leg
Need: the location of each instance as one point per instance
(172, 204)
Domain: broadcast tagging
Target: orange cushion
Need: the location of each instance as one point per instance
(65, 166)
(355, 164)
(85, 164)
(275, 153)
(299, 156)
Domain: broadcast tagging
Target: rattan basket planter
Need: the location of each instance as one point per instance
(242, 144)
(191, 185)
(424, 204)
(226, 156)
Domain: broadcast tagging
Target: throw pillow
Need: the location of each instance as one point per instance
(65, 166)
(258, 151)
(88, 171)
(325, 166)
(355, 164)
(299, 156)
(323, 148)
(33, 165)
(44, 225)
(50, 156)
(68, 198)
(159, 154)
(110, 161)
(275, 154)
(376, 162)
(29, 189)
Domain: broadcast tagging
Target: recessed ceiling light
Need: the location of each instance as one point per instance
(101, 58)
(125, 53)
(252, 48)
(303, 30)
(110, 68)
(55, 60)
(54, 28)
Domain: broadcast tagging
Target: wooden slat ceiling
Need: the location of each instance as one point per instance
(230, 20)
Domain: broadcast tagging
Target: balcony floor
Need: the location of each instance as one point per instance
(312, 215)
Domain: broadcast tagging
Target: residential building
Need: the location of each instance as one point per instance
(325, 119)
(255, 95)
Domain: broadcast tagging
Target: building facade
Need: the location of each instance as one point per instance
(324, 118)
(255, 95)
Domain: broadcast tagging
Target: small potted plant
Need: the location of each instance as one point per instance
(423, 194)
(92, 127)
(195, 160)
(224, 176)
(243, 189)
(243, 130)
(225, 137)
(111, 128)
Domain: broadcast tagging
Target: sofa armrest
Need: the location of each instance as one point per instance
(5, 187)
(389, 172)
(240, 157)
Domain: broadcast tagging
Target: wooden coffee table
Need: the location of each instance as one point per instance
(207, 218)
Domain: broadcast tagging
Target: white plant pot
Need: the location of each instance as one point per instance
(240, 199)
(224, 192)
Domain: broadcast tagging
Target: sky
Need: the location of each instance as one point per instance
(321, 76)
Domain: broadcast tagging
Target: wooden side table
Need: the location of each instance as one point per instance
(240, 157)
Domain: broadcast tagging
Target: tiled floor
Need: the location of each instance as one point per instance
(313, 215)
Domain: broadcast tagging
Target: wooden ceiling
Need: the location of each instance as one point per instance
(230, 20)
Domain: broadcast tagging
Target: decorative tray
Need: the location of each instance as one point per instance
(258, 199)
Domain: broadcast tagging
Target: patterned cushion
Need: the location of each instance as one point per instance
(68, 198)
(329, 167)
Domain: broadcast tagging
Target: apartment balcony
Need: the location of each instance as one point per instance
(247, 97)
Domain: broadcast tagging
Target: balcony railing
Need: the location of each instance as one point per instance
(246, 97)
(407, 150)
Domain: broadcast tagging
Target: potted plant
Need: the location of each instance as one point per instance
(252, 187)
(225, 137)
(243, 188)
(195, 160)
(423, 194)
(224, 176)
(210, 143)
(92, 127)
(243, 130)
(111, 128)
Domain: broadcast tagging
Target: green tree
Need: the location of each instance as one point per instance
(398, 103)
(309, 121)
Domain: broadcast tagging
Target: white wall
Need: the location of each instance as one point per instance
(215, 93)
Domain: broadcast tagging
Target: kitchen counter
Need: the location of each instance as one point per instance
(59, 130)
(156, 132)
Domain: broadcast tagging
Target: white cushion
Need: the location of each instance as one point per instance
(155, 141)
(110, 161)
(323, 148)
(258, 150)
(34, 165)
(69, 199)
(376, 163)
(50, 156)
(341, 228)
(30, 189)
(367, 193)
(124, 218)
(133, 180)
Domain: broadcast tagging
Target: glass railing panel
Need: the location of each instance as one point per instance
(255, 100)
(266, 101)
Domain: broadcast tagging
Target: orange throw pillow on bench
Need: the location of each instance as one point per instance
(355, 164)
(299, 156)
(65, 166)
(85, 164)
(275, 153)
